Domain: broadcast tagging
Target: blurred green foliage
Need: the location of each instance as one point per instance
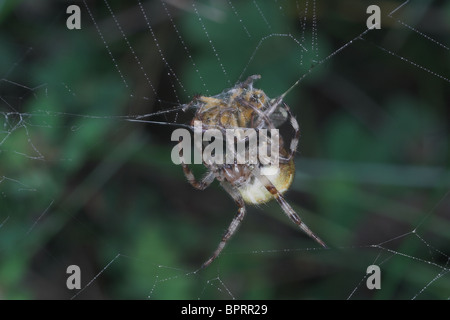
(83, 186)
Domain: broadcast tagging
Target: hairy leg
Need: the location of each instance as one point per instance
(288, 209)
(233, 225)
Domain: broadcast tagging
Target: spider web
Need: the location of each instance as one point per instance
(86, 177)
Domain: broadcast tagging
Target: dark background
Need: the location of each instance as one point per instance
(81, 185)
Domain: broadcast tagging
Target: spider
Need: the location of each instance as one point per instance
(243, 106)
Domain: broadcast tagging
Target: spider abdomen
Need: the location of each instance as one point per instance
(254, 192)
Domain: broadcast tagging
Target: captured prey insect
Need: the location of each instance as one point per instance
(244, 106)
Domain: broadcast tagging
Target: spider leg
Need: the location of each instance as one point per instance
(274, 105)
(263, 116)
(278, 103)
(197, 184)
(296, 127)
(288, 209)
(234, 223)
(201, 184)
(249, 81)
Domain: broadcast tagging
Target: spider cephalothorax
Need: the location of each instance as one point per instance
(254, 183)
